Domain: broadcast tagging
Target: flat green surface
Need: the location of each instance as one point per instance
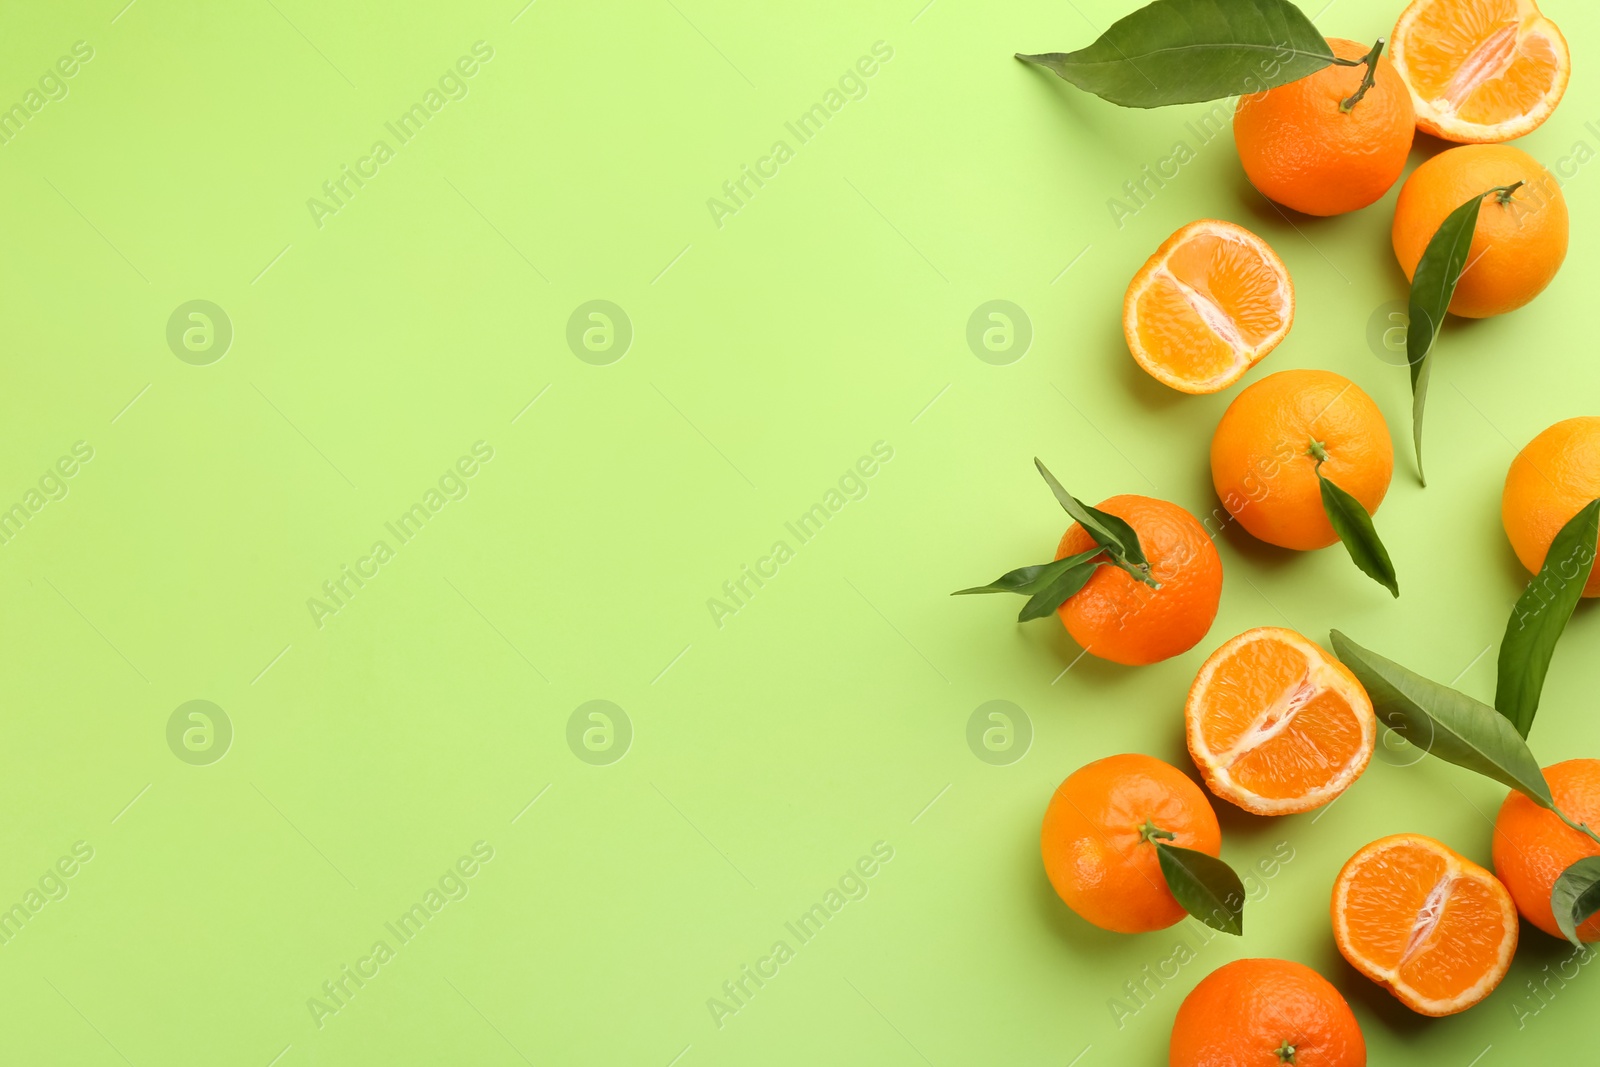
(767, 751)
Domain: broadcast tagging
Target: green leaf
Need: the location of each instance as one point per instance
(1354, 527)
(1541, 614)
(1576, 896)
(1205, 886)
(1047, 585)
(1068, 582)
(1030, 580)
(1433, 284)
(1108, 531)
(1187, 51)
(1444, 722)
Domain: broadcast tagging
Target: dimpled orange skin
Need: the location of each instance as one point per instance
(1517, 246)
(1532, 847)
(1300, 150)
(1260, 461)
(1117, 617)
(1549, 482)
(1244, 1012)
(1092, 850)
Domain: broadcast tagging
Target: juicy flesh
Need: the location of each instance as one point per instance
(1209, 306)
(1423, 926)
(1274, 724)
(1481, 61)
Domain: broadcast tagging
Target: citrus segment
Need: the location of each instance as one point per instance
(1276, 725)
(1211, 302)
(1435, 929)
(1480, 70)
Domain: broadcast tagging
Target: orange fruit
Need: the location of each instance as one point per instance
(1300, 147)
(1118, 617)
(1424, 922)
(1549, 482)
(1265, 1013)
(1096, 852)
(1208, 306)
(1261, 462)
(1480, 70)
(1276, 725)
(1519, 242)
(1532, 846)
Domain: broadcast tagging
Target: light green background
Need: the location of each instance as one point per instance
(769, 353)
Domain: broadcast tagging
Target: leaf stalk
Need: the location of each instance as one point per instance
(1581, 827)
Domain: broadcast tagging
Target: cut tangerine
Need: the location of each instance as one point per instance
(1208, 306)
(1276, 725)
(1480, 70)
(1426, 923)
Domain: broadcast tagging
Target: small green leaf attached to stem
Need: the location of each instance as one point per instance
(1576, 896)
(1353, 524)
(1120, 540)
(1049, 585)
(1207, 887)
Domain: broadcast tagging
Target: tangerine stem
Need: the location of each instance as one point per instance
(1150, 830)
(1318, 451)
(1284, 1052)
(1581, 827)
(1503, 192)
(1371, 60)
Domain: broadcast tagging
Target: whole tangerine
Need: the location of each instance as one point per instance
(1532, 846)
(1264, 455)
(1122, 619)
(1521, 235)
(1549, 482)
(1304, 146)
(1265, 1013)
(1097, 845)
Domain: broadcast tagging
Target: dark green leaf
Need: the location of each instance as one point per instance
(1205, 886)
(1444, 722)
(1186, 51)
(1354, 527)
(1108, 531)
(1541, 614)
(1576, 896)
(1030, 580)
(1433, 283)
(1068, 582)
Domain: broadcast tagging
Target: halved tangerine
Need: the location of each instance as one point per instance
(1276, 725)
(1208, 306)
(1480, 70)
(1426, 923)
